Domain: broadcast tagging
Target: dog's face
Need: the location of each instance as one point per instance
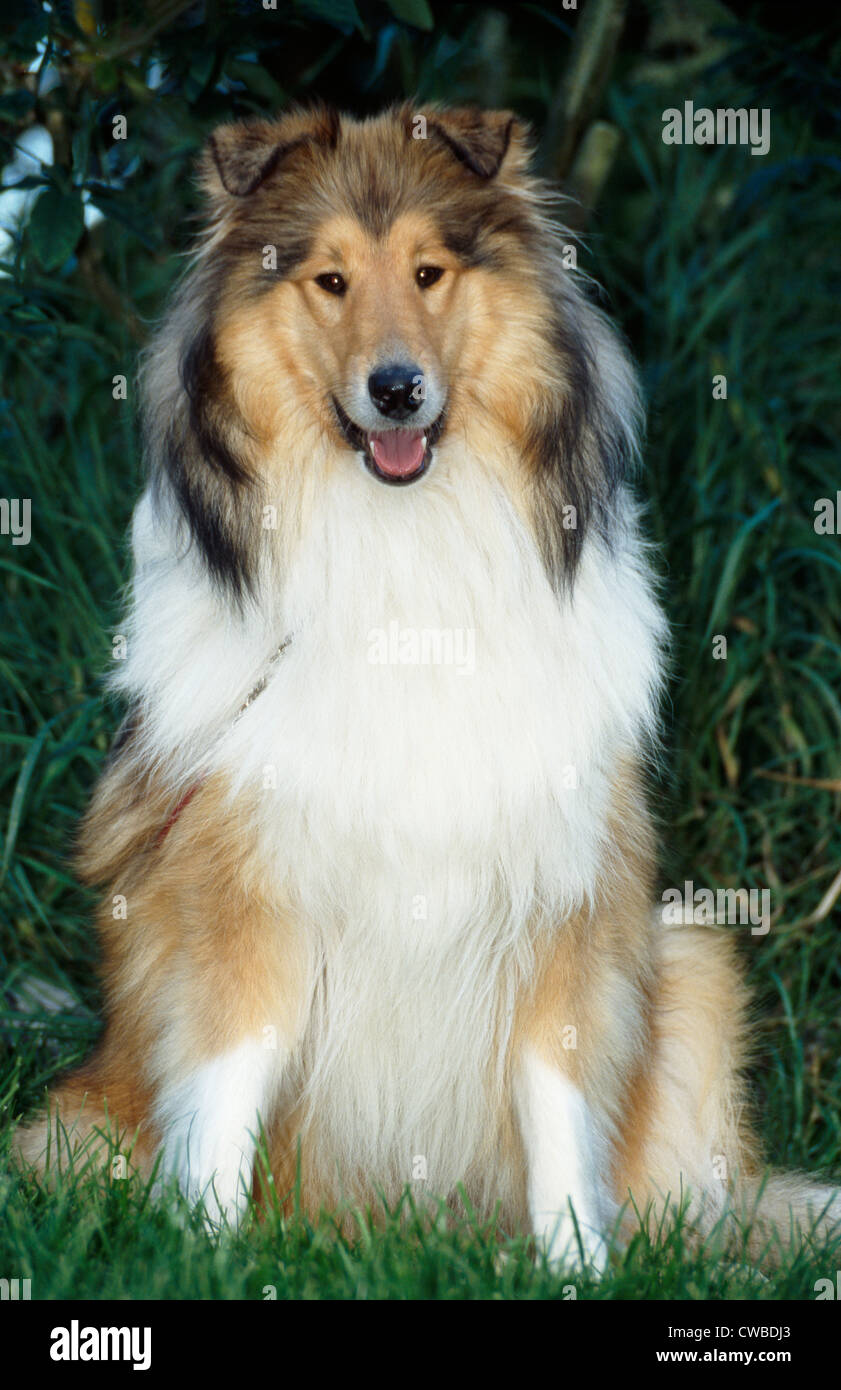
(367, 292)
(403, 251)
(380, 321)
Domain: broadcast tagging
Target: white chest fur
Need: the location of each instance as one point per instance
(438, 704)
(429, 763)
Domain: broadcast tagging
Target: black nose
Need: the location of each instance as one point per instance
(397, 391)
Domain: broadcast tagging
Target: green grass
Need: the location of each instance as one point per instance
(715, 262)
(95, 1238)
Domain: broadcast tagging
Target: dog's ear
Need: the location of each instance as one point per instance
(479, 139)
(241, 157)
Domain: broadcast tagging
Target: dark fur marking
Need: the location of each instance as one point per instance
(580, 453)
(374, 205)
(206, 474)
(207, 503)
(205, 385)
(289, 257)
(468, 241)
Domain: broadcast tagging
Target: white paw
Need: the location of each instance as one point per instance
(213, 1176)
(566, 1248)
(209, 1121)
(216, 1177)
(222, 1195)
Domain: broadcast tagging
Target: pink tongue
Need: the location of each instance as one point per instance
(398, 452)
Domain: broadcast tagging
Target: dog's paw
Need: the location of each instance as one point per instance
(222, 1199)
(220, 1192)
(580, 1248)
(213, 1179)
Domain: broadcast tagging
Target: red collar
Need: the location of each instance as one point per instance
(176, 812)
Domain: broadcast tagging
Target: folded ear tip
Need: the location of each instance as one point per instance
(480, 139)
(238, 177)
(242, 154)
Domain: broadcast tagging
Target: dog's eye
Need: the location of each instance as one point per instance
(428, 275)
(333, 282)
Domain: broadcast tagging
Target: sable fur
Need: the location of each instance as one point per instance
(272, 963)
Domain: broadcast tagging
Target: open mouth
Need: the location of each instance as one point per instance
(398, 455)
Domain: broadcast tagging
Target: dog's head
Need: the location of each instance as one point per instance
(368, 290)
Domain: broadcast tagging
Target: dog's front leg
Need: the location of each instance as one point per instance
(564, 1157)
(210, 1120)
(230, 1004)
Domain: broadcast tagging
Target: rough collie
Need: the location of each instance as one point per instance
(379, 869)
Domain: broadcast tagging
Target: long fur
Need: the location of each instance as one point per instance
(400, 913)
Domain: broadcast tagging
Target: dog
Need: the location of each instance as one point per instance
(379, 866)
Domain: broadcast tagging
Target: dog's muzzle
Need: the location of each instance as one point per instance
(397, 455)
